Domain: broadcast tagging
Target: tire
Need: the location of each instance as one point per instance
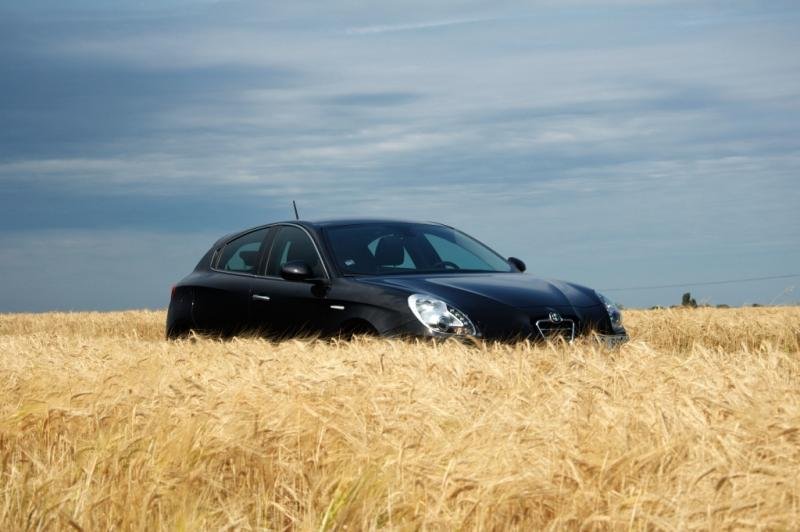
(178, 331)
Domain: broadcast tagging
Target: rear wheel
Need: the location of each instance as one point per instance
(178, 330)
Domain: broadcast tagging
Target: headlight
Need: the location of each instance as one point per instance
(440, 317)
(613, 313)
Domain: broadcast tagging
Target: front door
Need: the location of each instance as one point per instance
(286, 308)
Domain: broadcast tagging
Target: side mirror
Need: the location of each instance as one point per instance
(296, 270)
(517, 263)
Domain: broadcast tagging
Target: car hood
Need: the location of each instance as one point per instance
(513, 289)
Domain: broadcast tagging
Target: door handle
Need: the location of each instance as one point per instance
(259, 297)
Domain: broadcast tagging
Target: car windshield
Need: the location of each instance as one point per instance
(404, 248)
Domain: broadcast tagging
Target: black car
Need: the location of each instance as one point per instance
(383, 277)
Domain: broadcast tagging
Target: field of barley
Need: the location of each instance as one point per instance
(694, 424)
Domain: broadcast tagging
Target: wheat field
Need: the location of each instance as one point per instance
(694, 424)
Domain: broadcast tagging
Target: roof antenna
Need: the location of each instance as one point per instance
(296, 216)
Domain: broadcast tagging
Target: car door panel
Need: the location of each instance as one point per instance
(222, 296)
(221, 303)
(292, 308)
(280, 307)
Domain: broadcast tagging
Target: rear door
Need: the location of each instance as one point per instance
(222, 303)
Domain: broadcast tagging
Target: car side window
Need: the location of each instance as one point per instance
(290, 244)
(241, 255)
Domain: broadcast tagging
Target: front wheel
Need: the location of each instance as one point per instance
(355, 328)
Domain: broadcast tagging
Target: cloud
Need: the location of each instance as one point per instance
(55, 106)
(374, 99)
(414, 26)
(618, 137)
(94, 269)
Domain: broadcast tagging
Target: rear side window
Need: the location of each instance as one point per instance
(241, 255)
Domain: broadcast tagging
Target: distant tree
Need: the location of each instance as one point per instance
(687, 300)
(723, 305)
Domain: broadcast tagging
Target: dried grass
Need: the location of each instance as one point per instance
(695, 424)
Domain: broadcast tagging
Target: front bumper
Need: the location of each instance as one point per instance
(417, 330)
(520, 326)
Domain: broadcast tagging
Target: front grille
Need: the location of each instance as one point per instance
(551, 330)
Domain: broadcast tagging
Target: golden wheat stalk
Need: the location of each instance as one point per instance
(693, 424)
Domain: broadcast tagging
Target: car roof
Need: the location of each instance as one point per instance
(329, 222)
(333, 222)
(361, 221)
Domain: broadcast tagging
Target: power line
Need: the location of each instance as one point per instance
(707, 283)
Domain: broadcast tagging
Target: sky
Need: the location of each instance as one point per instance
(621, 145)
